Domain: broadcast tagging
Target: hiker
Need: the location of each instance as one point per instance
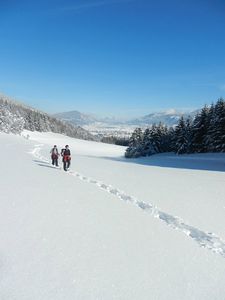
(54, 155)
(65, 153)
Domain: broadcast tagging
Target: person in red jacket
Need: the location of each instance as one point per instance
(54, 155)
(66, 155)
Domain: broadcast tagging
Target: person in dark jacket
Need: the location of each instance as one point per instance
(66, 157)
(54, 155)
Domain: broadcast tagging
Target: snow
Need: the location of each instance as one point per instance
(110, 228)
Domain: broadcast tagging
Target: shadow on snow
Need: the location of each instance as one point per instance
(206, 162)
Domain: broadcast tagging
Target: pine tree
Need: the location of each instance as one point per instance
(180, 137)
(135, 144)
(165, 143)
(188, 135)
(200, 130)
(156, 138)
(219, 126)
(208, 139)
(172, 140)
(147, 147)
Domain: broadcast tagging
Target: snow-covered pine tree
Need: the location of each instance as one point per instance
(188, 134)
(219, 126)
(200, 130)
(156, 138)
(135, 144)
(165, 137)
(172, 140)
(208, 139)
(9, 121)
(181, 143)
(147, 146)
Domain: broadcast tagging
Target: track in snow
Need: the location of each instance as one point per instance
(204, 239)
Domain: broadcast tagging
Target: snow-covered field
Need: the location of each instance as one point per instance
(110, 228)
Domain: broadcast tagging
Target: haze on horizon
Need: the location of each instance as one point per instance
(123, 58)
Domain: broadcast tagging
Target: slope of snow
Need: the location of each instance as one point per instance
(69, 235)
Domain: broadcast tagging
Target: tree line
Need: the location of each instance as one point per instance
(205, 132)
(116, 140)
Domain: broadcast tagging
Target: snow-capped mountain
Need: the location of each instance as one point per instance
(169, 118)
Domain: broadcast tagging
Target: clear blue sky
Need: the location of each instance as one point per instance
(112, 57)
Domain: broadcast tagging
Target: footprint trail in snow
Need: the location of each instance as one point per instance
(204, 239)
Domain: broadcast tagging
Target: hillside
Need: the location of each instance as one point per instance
(15, 117)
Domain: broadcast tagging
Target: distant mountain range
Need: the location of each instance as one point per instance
(76, 118)
(107, 127)
(169, 118)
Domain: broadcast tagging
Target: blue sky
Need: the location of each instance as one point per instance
(113, 57)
